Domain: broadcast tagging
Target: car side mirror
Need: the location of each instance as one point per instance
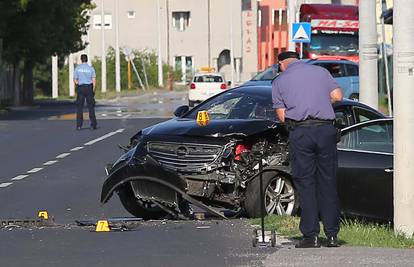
(181, 110)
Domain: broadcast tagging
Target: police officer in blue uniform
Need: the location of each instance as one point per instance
(85, 81)
(302, 97)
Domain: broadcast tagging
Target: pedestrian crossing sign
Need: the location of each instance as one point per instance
(301, 32)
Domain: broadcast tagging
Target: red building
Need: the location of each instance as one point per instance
(272, 31)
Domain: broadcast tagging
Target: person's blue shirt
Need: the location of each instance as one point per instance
(84, 74)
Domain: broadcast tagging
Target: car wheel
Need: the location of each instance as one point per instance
(137, 207)
(354, 97)
(279, 193)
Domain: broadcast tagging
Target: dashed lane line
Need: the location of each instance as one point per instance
(2, 185)
(34, 170)
(103, 137)
(50, 162)
(63, 155)
(19, 177)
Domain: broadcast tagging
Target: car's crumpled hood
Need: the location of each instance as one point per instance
(215, 128)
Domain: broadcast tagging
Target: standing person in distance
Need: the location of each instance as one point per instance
(302, 97)
(85, 82)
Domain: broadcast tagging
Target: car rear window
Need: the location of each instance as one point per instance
(208, 79)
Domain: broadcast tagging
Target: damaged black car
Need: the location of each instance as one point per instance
(168, 166)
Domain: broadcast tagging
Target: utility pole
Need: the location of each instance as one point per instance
(208, 33)
(291, 17)
(231, 44)
(55, 92)
(103, 55)
(403, 38)
(368, 56)
(71, 84)
(160, 74)
(117, 59)
(385, 58)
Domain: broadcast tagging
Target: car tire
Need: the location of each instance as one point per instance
(284, 201)
(138, 208)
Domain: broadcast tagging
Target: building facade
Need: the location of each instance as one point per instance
(194, 33)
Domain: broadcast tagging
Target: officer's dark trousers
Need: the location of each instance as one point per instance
(314, 162)
(85, 92)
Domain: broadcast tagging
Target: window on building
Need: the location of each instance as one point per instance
(280, 17)
(131, 14)
(177, 63)
(181, 20)
(97, 21)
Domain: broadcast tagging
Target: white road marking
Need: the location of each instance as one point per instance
(104, 115)
(5, 184)
(51, 162)
(126, 116)
(119, 111)
(19, 177)
(119, 115)
(63, 155)
(34, 170)
(76, 148)
(103, 137)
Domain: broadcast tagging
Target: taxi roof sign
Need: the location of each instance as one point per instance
(207, 69)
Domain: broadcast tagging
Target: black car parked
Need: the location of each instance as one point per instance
(176, 162)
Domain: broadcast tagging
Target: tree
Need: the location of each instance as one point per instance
(39, 29)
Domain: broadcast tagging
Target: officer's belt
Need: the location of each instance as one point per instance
(308, 122)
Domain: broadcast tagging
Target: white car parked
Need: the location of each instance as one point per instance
(204, 86)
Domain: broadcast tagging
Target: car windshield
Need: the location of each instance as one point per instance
(344, 44)
(208, 79)
(236, 105)
(268, 74)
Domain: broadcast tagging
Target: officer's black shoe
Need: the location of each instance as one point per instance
(332, 242)
(94, 127)
(309, 242)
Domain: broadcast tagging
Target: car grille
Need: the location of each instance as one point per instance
(185, 156)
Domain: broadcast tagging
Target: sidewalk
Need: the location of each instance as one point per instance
(342, 256)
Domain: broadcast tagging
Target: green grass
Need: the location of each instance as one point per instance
(352, 233)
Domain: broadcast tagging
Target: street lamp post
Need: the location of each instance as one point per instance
(368, 56)
(117, 59)
(160, 74)
(103, 55)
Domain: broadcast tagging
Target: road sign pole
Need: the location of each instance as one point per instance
(403, 40)
(368, 58)
(301, 50)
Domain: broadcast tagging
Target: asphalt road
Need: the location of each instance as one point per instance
(46, 165)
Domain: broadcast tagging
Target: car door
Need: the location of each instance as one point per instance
(365, 169)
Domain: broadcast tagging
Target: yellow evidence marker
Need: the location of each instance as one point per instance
(102, 226)
(43, 214)
(202, 118)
